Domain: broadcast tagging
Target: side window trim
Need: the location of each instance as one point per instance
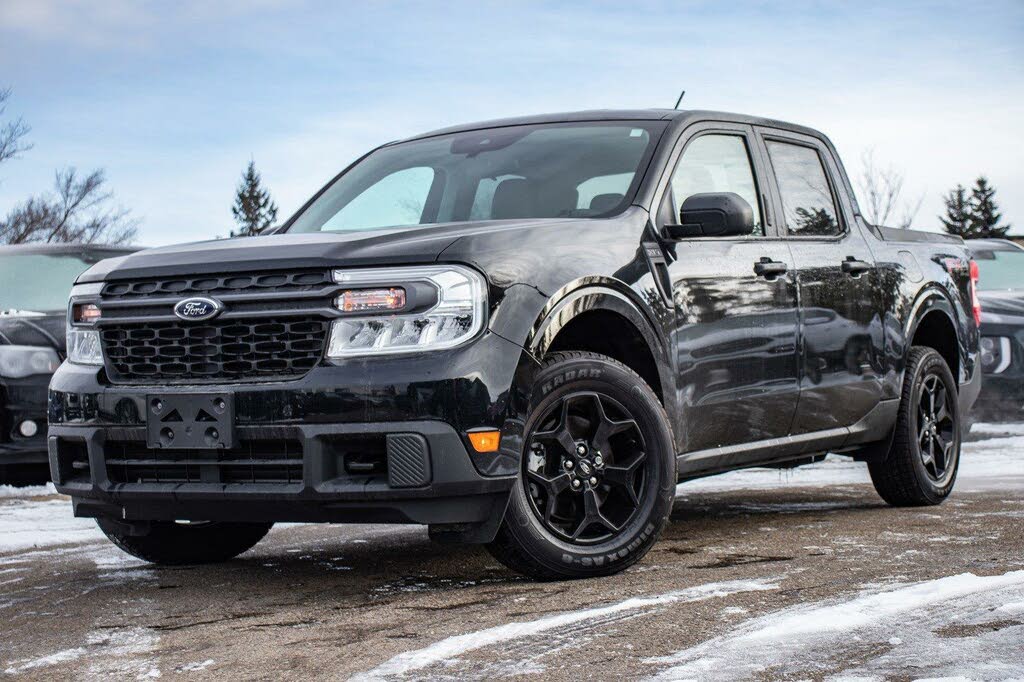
(765, 135)
(761, 172)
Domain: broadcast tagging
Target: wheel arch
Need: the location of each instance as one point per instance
(599, 318)
(932, 323)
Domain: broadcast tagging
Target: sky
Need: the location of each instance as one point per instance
(174, 99)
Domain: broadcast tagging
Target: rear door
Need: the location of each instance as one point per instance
(841, 325)
(735, 333)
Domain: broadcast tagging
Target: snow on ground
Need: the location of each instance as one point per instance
(448, 649)
(1012, 429)
(33, 524)
(28, 491)
(950, 627)
(984, 461)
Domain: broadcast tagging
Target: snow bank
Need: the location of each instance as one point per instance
(27, 491)
(28, 524)
(980, 462)
(447, 649)
(900, 623)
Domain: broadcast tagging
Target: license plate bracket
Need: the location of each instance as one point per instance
(190, 421)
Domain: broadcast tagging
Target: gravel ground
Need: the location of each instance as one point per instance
(762, 574)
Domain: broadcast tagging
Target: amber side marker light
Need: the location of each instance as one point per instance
(485, 441)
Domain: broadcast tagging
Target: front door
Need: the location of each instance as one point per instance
(841, 327)
(735, 336)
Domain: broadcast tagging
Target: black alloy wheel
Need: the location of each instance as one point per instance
(935, 427)
(585, 468)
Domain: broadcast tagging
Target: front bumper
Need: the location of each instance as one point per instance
(325, 448)
(23, 400)
(1002, 394)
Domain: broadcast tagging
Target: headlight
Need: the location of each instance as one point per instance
(84, 342)
(17, 362)
(410, 309)
(995, 354)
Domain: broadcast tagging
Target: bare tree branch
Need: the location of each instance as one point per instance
(78, 211)
(882, 190)
(12, 133)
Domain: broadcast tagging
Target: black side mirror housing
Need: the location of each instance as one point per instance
(712, 214)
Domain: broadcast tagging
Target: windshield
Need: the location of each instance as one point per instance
(1000, 270)
(41, 283)
(565, 170)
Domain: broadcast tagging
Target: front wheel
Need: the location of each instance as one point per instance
(176, 543)
(923, 461)
(598, 474)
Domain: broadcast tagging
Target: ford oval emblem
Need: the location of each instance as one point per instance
(198, 309)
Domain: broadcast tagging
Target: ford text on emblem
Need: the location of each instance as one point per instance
(197, 309)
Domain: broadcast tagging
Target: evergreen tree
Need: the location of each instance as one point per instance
(958, 213)
(985, 214)
(254, 211)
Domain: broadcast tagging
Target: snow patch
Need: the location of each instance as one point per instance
(807, 637)
(27, 491)
(446, 650)
(996, 429)
(983, 461)
(33, 524)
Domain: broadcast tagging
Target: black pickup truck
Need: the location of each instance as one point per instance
(34, 283)
(522, 333)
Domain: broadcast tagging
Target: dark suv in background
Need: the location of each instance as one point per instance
(1001, 288)
(522, 333)
(35, 280)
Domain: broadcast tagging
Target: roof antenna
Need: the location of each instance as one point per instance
(679, 101)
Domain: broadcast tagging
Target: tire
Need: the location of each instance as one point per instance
(172, 544)
(911, 475)
(612, 413)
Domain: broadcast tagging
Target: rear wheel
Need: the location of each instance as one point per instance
(598, 472)
(175, 543)
(924, 458)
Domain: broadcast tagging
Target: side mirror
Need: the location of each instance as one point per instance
(713, 214)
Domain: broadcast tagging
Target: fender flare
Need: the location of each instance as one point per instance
(931, 298)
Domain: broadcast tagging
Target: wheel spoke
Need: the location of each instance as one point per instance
(606, 427)
(623, 475)
(560, 434)
(553, 485)
(592, 514)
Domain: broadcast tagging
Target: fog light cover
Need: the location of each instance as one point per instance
(455, 318)
(995, 354)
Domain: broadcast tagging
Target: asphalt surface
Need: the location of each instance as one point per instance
(762, 575)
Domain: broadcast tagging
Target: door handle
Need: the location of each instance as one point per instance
(769, 269)
(856, 268)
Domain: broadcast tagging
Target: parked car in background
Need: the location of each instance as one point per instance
(35, 281)
(521, 333)
(1001, 288)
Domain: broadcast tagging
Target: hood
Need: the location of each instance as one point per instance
(34, 330)
(326, 249)
(1002, 302)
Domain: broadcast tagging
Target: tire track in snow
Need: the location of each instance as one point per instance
(452, 647)
(958, 625)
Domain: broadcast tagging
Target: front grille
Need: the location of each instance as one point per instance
(216, 285)
(220, 350)
(262, 461)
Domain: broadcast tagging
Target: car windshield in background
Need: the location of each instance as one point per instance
(41, 283)
(566, 170)
(1000, 270)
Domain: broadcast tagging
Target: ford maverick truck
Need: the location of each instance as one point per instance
(523, 334)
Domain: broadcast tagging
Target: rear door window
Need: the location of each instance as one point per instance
(808, 203)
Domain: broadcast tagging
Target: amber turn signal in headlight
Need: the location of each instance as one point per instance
(485, 441)
(85, 313)
(372, 300)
